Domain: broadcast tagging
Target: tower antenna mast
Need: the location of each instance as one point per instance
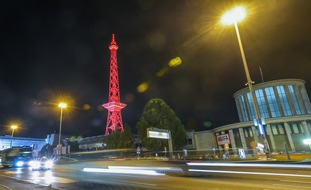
(114, 106)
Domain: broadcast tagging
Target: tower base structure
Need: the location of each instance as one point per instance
(114, 120)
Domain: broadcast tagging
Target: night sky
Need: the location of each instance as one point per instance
(52, 50)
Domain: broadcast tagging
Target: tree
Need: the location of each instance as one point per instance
(120, 140)
(158, 114)
(126, 138)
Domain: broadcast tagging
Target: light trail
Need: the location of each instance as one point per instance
(249, 165)
(123, 171)
(147, 168)
(251, 173)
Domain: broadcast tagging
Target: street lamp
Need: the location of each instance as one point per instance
(234, 16)
(13, 127)
(62, 106)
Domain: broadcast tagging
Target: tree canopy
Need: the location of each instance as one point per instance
(158, 114)
(120, 140)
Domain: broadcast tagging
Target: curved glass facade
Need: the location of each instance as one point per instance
(279, 98)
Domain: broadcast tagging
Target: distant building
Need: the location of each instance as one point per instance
(92, 143)
(7, 141)
(286, 108)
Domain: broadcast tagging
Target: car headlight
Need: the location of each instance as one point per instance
(19, 163)
(49, 164)
(34, 164)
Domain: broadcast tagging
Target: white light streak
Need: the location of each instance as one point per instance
(250, 165)
(251, 173)
(123, 171)
(145, 168)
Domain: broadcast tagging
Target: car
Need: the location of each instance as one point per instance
(41, 164)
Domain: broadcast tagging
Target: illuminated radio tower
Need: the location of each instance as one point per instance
(114, 106)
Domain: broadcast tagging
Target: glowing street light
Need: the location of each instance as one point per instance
(13, 127)
(62, 106)
(234, 16)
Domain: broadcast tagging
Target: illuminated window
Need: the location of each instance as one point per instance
(251, 105)
(262, 103)
(301, 129)
(273, 105)
(245, 133)
(284, 101)
(244, 110)
(295, 100)
(250, 132)
(236, 133)
(274, 130)
(295, 128)
(281, 129)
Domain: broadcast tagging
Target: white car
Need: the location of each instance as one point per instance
(41, 164)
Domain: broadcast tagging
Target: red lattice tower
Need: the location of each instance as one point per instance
(114, 106)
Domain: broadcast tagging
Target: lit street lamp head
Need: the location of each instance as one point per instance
(13, 127)
(62, 105)
(233, 16)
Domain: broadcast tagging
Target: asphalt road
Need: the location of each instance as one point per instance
(142, 174)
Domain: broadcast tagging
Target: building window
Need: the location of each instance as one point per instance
(262, 103)
(284, 101)
(281, 129)
(301, 129)
(272, 102)
(274, 130)
(245, 132)
(294, 128)
(244, 110)
(251, 106)
(236, 133)
(189, 141)
(295, 100)
(251, 132)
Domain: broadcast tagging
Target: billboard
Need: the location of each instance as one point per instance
(158, 134)
(223, 139)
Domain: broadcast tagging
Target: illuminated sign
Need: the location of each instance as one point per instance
(158, 134)
(223, 139)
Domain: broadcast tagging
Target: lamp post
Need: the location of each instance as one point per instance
(62, 106)
(234, 16)
(13, 127)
